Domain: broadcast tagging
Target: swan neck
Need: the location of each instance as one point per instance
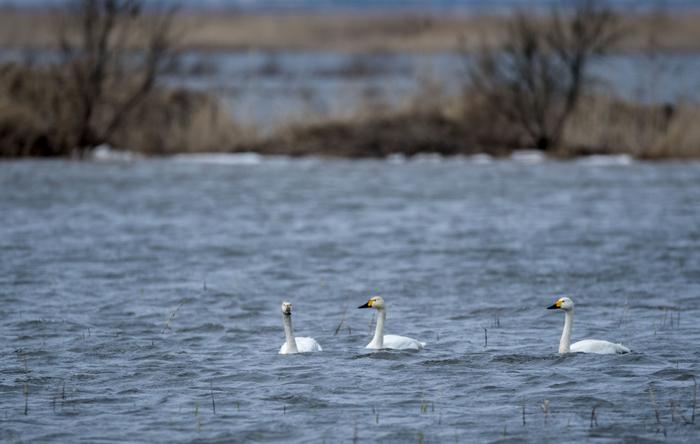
(565, 342)
(378, 339)
(289, 334)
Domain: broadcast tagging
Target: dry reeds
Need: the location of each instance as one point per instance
(545, 410)
(103, 87)
(657, 413)
(181, 121)
(594, 416)
(599, 125)
(35, 119)
(39, 103)
(362, 32)
(211, 392)
(171, 317)
(604, 125)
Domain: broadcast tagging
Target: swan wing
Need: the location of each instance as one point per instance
(306, 345)
(599, 347)
(402, 343)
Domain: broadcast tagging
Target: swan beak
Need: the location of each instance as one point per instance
(554, 306)
(367, 305)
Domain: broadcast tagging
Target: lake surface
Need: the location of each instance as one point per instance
(268, 89)
(134, 293)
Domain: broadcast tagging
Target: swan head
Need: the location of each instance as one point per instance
(376, 302)
(565, 304)
(287, 308)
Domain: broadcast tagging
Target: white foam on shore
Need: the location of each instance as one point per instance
(528, 156)
(606, 160)
(222, 158)
(105, 153)
(433, 158)
(428, 158)
(480, 159)
(396, 158)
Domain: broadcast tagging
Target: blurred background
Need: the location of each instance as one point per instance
(350, 78)
(141, 291)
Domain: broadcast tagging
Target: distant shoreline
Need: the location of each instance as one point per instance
(38, 116)
(366, 31)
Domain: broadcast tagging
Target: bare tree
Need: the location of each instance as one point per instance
(536, 78)
(112, 52)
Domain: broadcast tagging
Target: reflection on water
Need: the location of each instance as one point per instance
(141, 299)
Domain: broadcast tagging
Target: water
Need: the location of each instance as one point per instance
(268, 89)
(134, 293)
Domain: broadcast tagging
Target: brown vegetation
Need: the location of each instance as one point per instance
(361, 32)
(535, 79)
(36, 120)
(603, 125)
(599, 125)
(530, 91)
(174, 121)
(110, 56)
(105, 88)
(407, 133)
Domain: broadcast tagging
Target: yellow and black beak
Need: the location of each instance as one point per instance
(367, 305)
(554, 306)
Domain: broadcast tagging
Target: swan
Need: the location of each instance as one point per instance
(381, 340)
(292, 344)
(587, 345)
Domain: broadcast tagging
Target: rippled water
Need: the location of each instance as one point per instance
(140, 301)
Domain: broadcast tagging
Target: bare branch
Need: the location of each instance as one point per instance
(537, 77)
(112, 52)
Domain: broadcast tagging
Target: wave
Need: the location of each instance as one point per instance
(480, 159)
(476, 159)
(606, 160)
(528, 156)
(106, 153)
(221, 158)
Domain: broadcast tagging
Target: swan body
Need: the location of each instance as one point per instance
(303, 344)
(398, 343)
(293, 344)
(382, 341)
(596, 346)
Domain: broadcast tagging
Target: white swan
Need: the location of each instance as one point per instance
(587, 345)
(381, 340)
(292, 344)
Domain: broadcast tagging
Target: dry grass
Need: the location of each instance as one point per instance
(36, 111)
(428, 123)
(405, 32)
(36, 119)
(30, 124)
(360, 32)
(600, 125)
(400, 133)
(348, 32)
(181, 121)
(603, 125)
